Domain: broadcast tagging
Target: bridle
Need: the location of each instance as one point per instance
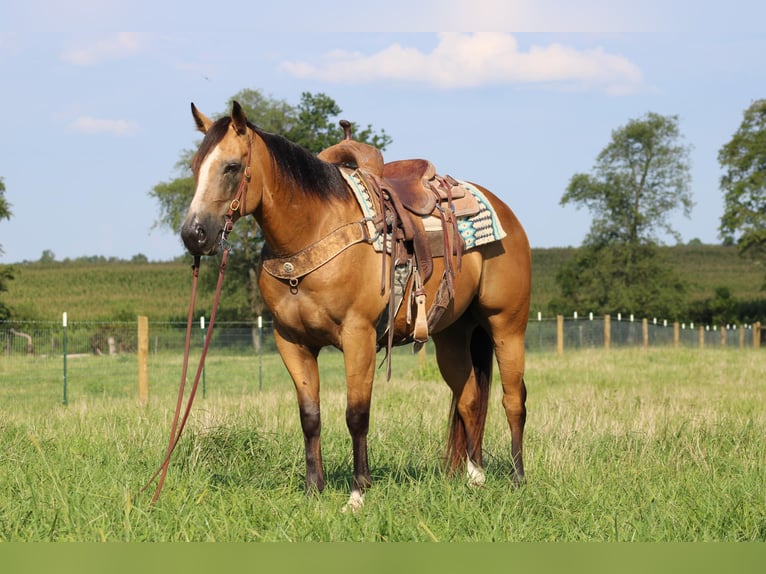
(237, 205)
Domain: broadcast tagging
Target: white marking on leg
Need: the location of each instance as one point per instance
(355, 501)
(475, 474)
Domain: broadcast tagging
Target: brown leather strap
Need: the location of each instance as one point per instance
(295, 266)
(179, 422)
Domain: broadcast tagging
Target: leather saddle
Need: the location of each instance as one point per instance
(410, 193)
(415, 191)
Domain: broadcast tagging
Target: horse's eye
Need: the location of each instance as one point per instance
(231, 168)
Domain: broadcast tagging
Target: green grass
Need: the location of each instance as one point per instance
(118, 290)
(630, 445)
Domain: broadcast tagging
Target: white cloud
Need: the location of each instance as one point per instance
(120, 45)
(90, 125)
(471, 60)
(551, 15)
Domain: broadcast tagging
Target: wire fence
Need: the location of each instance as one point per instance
(107, 358)
(54, 339)
(567, 333)
(115, 338)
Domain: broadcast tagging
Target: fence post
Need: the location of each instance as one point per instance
(607, 331)
(143, 359)
(757, 335)
(723, 335)
(260, 353)
(64, 401)
(560, 334)
(676, 335)
(645, 331)
(702, 337)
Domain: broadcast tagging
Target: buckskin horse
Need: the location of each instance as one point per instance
(335, 275)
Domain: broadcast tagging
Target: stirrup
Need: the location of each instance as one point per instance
(420, 333)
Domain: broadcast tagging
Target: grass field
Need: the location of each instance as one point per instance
(630, 445)
(120, 290)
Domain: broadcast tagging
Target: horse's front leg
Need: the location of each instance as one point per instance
(359, 359)
(301, 363)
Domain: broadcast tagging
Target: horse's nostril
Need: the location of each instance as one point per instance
(195, 236)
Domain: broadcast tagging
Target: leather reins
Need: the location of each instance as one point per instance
(237, 204)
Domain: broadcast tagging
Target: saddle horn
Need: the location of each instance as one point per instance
(346, 125)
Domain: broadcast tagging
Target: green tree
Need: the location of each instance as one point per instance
(743, 160)
(47, 256)
(313, 124)
(5, 207)
(639, 179)
(620, 278)
(6, 272)
(722, 309)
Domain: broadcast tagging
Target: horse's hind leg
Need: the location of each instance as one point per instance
(456, 355)
(509, 349)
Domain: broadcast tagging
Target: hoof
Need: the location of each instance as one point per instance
(475, 474)
(355, 502)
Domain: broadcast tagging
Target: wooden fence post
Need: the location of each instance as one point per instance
(607, 332)
(143, 359)
(702, 337)
(757, 335)
(676, 335)
(560, 334)
(723, 335)
(645, 331)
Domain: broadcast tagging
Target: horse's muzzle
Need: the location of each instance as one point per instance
(199, 239)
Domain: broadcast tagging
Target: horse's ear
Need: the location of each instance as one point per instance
(238, 118)
(202, 121)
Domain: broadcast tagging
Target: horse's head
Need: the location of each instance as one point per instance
(219, 168)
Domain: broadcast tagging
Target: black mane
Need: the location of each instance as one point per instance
(297, 167)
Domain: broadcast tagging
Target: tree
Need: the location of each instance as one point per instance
(620, 278)
(5, 207)
(743, 160)
(310, 124)
(639, 179)
(47, 256)
(6, 272)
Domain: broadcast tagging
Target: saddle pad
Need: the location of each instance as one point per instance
(479, 229)
(482, 228)
(364, 199)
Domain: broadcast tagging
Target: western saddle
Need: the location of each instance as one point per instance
(417, 214)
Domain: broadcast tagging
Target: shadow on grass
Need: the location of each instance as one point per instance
(239, 457)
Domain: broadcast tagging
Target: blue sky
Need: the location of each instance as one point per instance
(93, 118)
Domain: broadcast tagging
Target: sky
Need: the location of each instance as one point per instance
(93, 118)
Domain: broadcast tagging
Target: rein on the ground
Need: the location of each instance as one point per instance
(179, 423)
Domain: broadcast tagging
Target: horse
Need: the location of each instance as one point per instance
(298, 200)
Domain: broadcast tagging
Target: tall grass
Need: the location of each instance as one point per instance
(630, 445)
